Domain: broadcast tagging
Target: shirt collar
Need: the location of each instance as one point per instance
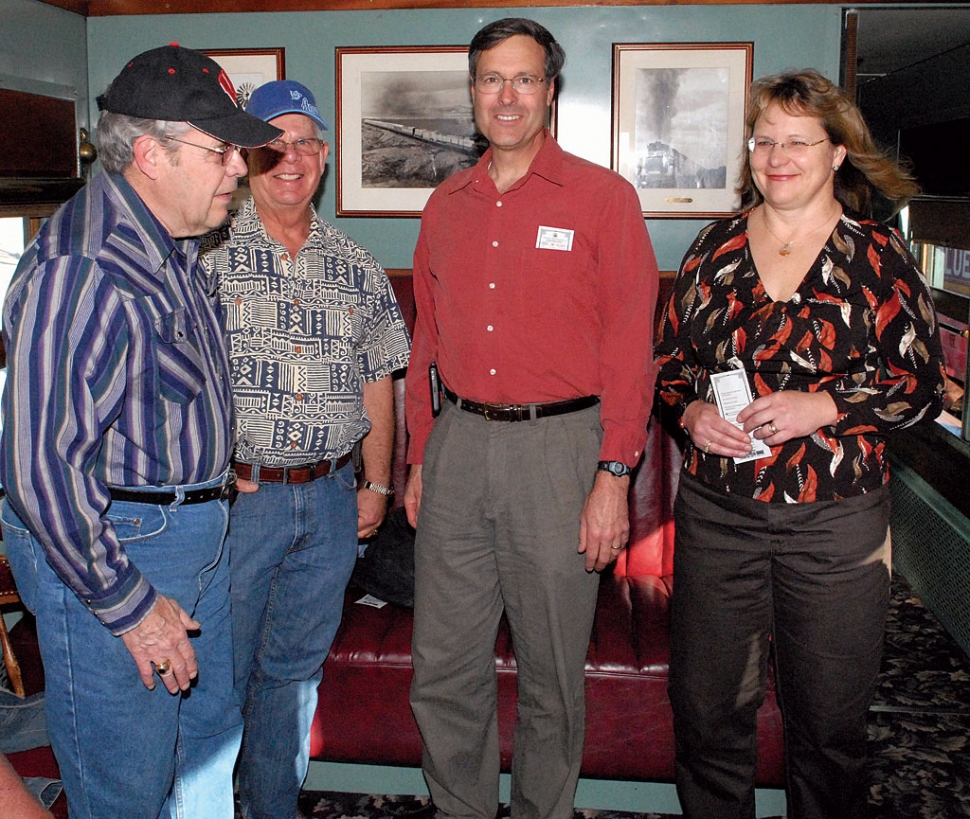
(547, 163)
(157, 242)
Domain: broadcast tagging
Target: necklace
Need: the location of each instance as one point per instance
(786, 247)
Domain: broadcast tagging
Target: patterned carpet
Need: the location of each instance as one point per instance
(919, 733)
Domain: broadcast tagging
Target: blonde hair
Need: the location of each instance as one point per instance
(865, 170)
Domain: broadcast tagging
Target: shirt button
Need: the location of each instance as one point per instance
(298, 349)
(237, 300)
(498, 204)
(296, 302)
(494, 244)
(285, 257)
(293, 445)
(490, 328)
(491, 372)
(299, 396)
(491, 285)
(350, 310)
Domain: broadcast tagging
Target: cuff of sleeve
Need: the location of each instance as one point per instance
(623, 446)
(123, 610)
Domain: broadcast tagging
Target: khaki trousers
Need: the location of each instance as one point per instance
(498, 530)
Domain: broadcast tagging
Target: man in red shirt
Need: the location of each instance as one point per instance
(535, 284)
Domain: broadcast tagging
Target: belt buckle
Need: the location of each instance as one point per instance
(492, 412)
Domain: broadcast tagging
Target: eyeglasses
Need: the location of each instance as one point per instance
(306, 147)
(225, 152)
(522, 84)
(794, 147)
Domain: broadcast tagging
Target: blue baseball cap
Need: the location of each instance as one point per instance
(283, 97)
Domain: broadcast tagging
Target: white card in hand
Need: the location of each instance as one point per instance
(732, 393)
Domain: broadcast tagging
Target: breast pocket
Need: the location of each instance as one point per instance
(181, 374)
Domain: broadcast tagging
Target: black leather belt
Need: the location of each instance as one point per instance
(291, 474)
(167, 498)
(521, 412)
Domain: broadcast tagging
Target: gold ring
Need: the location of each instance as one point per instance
(707, 449)
(773, 428)
(615, 548)
(164, 668)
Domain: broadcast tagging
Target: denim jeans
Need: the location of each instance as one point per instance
(291, 551)
(124, 750)
(22, 722)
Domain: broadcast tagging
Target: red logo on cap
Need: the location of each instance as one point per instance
(227, 86)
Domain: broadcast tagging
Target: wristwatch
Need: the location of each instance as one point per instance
(379, 488)
(616, 468)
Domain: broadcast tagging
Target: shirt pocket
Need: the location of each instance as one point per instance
(181, 373)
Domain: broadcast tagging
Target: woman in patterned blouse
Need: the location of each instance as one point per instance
(828, 318)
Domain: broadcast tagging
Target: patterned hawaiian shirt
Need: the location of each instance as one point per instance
(861, 326)
(304, 333)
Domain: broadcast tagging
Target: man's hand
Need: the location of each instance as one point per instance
(371, 509)
(162, 636)
(604, 525)
(412, 495)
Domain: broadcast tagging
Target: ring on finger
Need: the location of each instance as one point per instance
(707, 448)
(773, 428)
(164, 668)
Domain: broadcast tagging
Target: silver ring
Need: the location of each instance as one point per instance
(773, 428)
(707, 449)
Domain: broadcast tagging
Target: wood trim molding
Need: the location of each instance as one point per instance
(104, 8)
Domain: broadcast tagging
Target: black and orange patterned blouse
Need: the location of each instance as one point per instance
(861, 326)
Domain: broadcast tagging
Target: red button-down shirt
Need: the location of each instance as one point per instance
(543, 293)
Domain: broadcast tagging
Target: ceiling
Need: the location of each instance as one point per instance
(893, 39)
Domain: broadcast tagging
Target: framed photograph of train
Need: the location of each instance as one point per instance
(678, 124)
(404, 124)
(249, 68)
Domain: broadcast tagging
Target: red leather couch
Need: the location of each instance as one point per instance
(363, 714)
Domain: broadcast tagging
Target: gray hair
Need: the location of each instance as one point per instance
(117, 133)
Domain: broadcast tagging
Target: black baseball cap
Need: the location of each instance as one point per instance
(183, 85)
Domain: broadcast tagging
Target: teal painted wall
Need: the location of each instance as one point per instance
(43, 50)
(789, 36)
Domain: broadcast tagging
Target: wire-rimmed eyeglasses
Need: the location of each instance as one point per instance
(794, 147)
(308, 146)
(225, 152)
(521, 84)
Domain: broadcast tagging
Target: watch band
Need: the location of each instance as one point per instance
(379, 488)
(616, 468)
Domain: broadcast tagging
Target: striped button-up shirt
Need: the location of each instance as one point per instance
(117, 375)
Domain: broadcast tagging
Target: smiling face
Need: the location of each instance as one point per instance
(511, 121)
(288, 179)
(793, 183)
(193, 188)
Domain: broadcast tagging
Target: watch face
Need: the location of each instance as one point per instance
(615, 468)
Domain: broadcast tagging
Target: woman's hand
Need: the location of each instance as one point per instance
(781, 416)
(711, 434)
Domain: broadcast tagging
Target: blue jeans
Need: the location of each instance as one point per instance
(22, 722)
(291, 550)
(124, 750)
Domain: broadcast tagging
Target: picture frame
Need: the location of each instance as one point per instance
(389, 171)
(249, 68)
(678, 124)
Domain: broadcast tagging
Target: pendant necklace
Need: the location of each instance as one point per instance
(786, 247)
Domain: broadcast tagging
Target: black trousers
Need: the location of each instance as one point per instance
(813, 578)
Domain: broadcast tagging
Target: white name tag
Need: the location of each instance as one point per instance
(551, 238)
(732, 393)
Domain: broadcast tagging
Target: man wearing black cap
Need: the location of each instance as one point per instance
(314, 333)
(115, 453)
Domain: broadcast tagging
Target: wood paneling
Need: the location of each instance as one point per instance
(102, 8)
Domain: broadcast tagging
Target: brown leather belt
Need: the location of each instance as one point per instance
(290, 474)
(521, 412)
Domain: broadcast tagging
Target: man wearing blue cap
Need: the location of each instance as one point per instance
(314, 333)
(117, 437)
